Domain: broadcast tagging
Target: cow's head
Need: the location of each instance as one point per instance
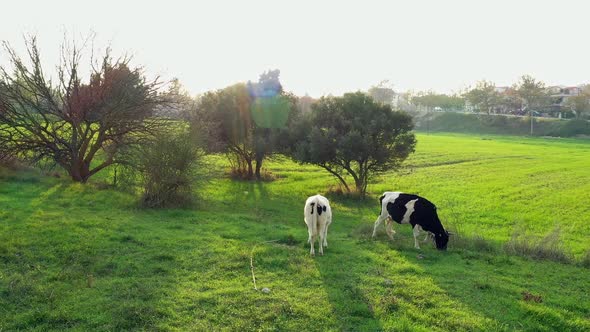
(441, 240)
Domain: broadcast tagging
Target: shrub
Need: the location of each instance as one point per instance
(500, 124)
(574, 128)
(169, 167)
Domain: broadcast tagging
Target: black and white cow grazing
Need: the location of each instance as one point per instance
(414, 210)
(317, 215)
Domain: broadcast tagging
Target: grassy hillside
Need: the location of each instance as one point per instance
(76, 257)
(498, 185)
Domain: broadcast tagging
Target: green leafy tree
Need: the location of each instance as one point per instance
(382, 92)
(431, 100)
(245, 121)
(484, 96)
(533, 93)
(223, 120)
(510, 102)
(353, 135)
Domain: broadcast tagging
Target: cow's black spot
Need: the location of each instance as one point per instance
(312, 205)
(320, 208)
(397, 208)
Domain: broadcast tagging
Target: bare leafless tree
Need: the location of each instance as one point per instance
(83, 127)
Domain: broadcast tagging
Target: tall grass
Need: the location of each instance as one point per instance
(549, 247)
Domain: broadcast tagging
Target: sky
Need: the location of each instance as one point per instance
(321, 47)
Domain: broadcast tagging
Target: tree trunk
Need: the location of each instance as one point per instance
(361, 186)
(75, 175)
(79, 172)
(250, 170)
(356, 177)
(340, 178)
(258, 168)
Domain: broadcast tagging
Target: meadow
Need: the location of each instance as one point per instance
(85, 257)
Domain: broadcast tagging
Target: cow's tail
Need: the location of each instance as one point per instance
(312, 217)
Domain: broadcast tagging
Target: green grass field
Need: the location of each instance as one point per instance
(82, 258)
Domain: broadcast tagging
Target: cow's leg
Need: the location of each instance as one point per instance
(311, 240)
(328, 222)
(389, 227)
(417, 229)
(378, 222)
(322, 234)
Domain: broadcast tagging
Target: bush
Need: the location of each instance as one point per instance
(574, 128)
(169, 167)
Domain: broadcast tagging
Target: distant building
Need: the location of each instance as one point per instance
(502, 89)
(304, 103)
(560, 95)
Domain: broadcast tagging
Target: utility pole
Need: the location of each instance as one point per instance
(427, 120)
(531, 122)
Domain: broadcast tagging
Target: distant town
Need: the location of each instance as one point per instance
(527, 97)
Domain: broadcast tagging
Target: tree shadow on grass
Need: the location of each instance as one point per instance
(244, 194)
(493, 285)
(404, 295)
(342, 281)
(66, 267)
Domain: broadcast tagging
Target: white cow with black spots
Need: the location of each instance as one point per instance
(414, 210)
(317, 216)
